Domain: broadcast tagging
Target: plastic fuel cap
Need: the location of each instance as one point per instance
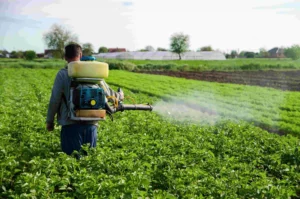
(93, 102)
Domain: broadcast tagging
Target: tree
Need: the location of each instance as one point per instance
(179, 43)
(149, 48)
(20, 54)
(292, 52)
(161, 49)
(102, 49)
(242, 54)
(87, 49)
(227, 56)
(58, 37)
(13, 54)
(249, 54)
(206, 48)
(5, 53)
(29, 55)
(263, 53)
(233, 54)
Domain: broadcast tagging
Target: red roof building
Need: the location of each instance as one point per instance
(113, 50)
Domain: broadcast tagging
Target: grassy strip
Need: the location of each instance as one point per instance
(174, 65)
(203, 65)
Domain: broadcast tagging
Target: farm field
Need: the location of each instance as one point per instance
(279, 79)
(270, 109)
(238, 64)
(203, 140)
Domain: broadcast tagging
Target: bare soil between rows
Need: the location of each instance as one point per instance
(283, 80)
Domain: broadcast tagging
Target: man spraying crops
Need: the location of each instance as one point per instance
(73, 133)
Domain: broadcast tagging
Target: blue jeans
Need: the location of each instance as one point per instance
(75, 135)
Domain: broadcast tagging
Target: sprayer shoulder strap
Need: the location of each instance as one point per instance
(72, 84)
(65, 99)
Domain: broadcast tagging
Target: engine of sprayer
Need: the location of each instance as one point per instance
(89, 97)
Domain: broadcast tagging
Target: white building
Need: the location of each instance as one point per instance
(163, 55)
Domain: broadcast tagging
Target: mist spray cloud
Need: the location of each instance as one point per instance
(214, 106)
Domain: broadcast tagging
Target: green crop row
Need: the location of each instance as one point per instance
(271, 109)
(212, 65)
(175, 65)
(37, 63)
(143, 154)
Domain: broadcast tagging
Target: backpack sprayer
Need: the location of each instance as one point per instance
(90, 95)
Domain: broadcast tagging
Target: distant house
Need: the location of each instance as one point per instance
(114, 50)
(163, 55)
(276, 53)
(51, 53)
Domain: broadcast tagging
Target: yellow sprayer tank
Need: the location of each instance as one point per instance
(88, 69)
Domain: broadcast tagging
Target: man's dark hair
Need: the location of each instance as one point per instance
(72, 50)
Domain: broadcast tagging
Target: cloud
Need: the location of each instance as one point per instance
(134, 24)
(11, 20)
(291, 8)
(288, 5)
(20, 21)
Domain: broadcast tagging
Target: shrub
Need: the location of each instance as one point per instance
(30, 55)
(121, 65)
(293, 52)
(102, 49)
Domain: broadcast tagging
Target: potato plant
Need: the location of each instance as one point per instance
(273, 110)
(145, 154)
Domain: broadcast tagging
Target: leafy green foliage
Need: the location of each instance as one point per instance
(263, 53)
(292, 52)
(142, 154)
(58, 37)
(205, 48)
(102, 49)
(16, 54)
(249, 54)
(179, 43)
(179, 65)
(87, 49)
(121, 65)
(220, 65)
(149, 48)
(161, 49)
(36, 63)
(29, 55)
(271, 109)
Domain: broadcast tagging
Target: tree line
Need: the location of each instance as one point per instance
(28, 54)
(58, 37)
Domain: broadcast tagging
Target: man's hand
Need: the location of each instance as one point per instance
(50, 126)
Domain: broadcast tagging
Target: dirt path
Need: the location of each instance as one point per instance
(284, 80)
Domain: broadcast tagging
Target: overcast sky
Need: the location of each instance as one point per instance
(134, 24)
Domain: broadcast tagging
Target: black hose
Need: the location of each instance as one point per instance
(123, 107)
(141, 107)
